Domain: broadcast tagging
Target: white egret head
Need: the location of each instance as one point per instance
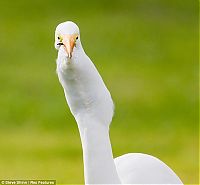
(67, 35)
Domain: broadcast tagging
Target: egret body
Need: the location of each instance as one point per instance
(91, 104)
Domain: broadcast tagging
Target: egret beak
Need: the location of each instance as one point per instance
(69, 42)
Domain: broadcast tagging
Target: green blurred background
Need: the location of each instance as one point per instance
(146, 52)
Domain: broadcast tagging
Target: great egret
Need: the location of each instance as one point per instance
(91, 104)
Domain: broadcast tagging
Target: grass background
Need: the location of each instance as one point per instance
(146, 52)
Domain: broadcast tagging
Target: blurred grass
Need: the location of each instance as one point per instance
(147, 53)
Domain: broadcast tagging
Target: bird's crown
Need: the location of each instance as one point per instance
(67, 27)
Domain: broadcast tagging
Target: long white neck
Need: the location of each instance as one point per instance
(91, 104)
(99, 167)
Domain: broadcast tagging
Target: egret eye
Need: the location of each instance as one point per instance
(58, 38)
(77, 38)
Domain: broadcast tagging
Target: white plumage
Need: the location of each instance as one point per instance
(91, 104)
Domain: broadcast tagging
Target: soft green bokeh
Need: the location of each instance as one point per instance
(146, 52)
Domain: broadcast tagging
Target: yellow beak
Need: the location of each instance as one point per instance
(69, 43)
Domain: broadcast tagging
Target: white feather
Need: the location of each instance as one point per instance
(91, 104)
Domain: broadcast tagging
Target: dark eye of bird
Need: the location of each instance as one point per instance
(76, 38)
(58, 38)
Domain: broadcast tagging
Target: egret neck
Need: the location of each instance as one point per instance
(91, 112)
(99, 167)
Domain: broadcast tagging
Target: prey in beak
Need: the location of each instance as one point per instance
(69, 42)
